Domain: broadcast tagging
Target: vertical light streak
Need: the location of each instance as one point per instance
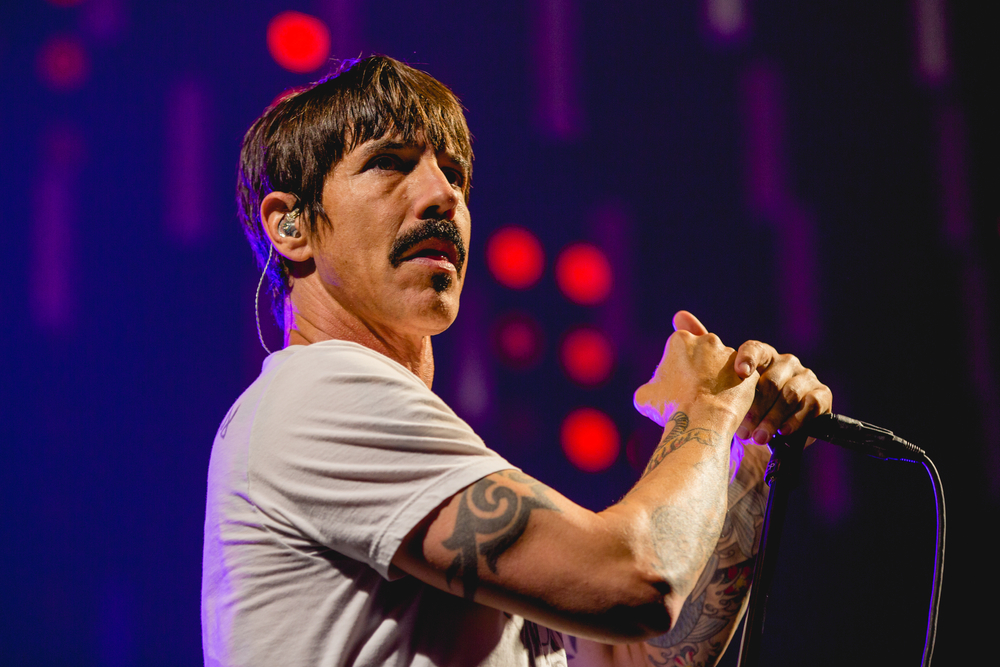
(957, 229)
(555, 49)
(473, 398)
(769, 196)
(54, 218)
(933, 62)
(764, 121)
(611, 227)
(187, 216)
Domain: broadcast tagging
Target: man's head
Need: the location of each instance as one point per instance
(296, 144)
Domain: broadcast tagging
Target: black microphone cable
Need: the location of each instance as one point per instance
(883, 444)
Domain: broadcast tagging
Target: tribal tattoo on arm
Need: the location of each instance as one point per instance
(492, 516)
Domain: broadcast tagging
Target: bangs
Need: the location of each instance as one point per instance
(408, 107)
(376, 98)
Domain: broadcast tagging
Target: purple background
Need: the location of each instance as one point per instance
(818, 175)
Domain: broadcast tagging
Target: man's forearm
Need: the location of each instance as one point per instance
(681, 500)
(713, 609)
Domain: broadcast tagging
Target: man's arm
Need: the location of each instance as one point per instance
(623, 574)
(787, 394)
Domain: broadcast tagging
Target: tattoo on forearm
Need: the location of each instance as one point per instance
(744, 520)
(496, 512)
(705, 623)
(711, 612)
(678, 436)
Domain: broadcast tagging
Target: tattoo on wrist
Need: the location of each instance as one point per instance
(678, 436)
(496, 512)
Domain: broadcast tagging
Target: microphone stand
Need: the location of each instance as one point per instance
(782, 475)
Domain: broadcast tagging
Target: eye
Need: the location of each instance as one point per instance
(385, 163)
(454, 176)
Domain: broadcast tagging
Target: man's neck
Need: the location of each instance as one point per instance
(414, 353)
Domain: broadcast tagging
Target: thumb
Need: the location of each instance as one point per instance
(685, 321)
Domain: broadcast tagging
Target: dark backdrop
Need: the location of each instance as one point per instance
(817, 175)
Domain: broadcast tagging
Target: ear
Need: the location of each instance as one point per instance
(282, 207)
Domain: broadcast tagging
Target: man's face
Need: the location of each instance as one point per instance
(394, 252)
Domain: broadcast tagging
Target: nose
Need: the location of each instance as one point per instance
(435, 196)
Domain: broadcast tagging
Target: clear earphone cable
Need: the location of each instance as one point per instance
(256, 300)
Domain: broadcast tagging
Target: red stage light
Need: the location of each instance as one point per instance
(519, 340)
(63, 64)
(515, 257)
(590, 439)
(583, 273)
(298, 42)
(587, 356)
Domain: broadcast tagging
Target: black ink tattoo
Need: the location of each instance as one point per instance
(501, 513)
(678, 436)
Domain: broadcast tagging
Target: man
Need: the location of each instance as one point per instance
(353, 519)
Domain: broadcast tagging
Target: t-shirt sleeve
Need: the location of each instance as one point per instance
(351, 450)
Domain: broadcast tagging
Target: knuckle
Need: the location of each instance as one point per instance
(767, 384)
(790, 393)
(790, 360)
(683, 335)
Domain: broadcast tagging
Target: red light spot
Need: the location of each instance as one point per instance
(584, 274)
(587, 356)
(515, 257)
(519, 340)
(298, 42)
(63, 64)
(590, 439)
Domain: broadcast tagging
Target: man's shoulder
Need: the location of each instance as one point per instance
(335, 360)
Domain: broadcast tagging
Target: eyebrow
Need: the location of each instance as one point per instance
(390, 144)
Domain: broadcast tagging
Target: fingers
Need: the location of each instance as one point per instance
(754, 355)
(685, 321)
(787, 395)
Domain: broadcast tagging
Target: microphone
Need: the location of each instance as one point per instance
(861, 437)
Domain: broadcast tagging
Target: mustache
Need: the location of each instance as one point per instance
(434, 228)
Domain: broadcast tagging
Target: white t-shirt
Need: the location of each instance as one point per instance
(319, 470)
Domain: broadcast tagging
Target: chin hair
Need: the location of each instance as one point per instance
(441, 282)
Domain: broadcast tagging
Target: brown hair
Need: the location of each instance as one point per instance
(300, 138)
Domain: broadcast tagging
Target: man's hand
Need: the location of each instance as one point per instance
(787, 392)
(696, 372)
